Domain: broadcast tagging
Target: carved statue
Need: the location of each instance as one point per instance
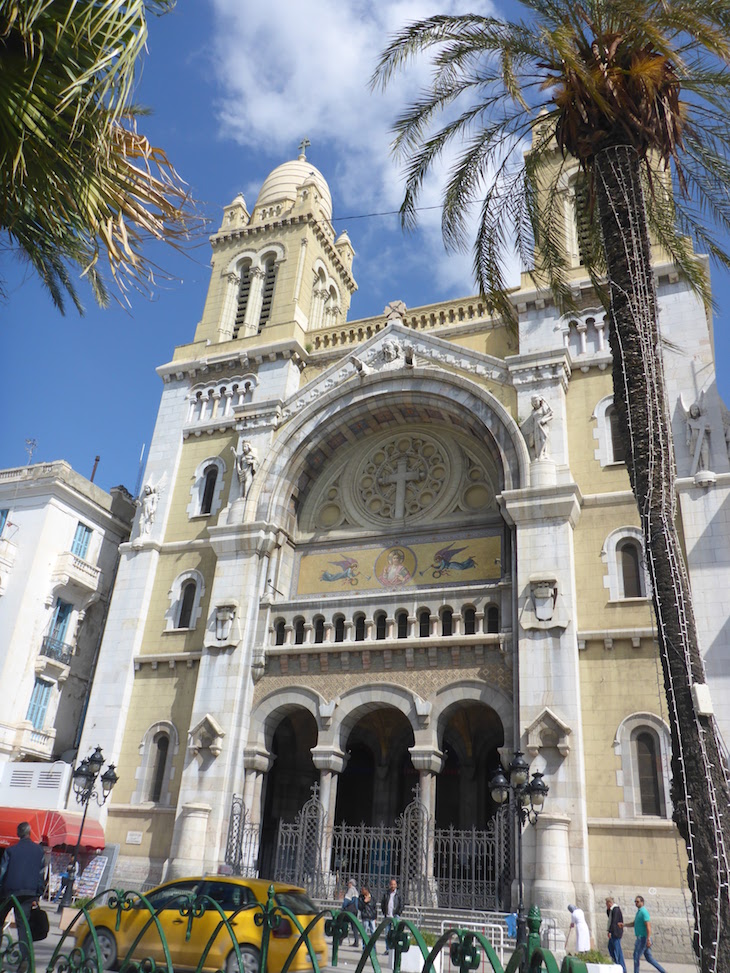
(391, 350)
(536, 428)
(246, 464)
(698, 438)
(148, 501)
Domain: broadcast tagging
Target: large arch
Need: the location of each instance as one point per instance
(307, 440)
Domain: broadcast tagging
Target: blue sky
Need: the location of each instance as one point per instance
(233, 88)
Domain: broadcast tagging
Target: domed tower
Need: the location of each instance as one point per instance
(279, 271)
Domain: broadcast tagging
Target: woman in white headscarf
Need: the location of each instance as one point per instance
(582, 932)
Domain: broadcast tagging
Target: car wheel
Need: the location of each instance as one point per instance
(107, 948)
(250, 959)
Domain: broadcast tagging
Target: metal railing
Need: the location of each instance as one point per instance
(57, 650)
(178, 934)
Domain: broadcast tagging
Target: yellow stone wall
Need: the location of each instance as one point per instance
(638, 857)
(180, 527)
(160, 693)
(171, 564)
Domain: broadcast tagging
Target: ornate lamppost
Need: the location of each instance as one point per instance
(526, 798)
(84, 784)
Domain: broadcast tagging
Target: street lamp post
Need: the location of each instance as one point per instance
(526, 798)
(84, 784)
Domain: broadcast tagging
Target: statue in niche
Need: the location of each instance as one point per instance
(536, 428)
(246, 464)
(698, 438)
(148, 501)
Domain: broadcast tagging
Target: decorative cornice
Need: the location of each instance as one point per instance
(539, 367)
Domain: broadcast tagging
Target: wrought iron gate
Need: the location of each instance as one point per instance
(449, 868)
(242, 844)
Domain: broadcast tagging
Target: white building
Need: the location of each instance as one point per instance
(59, 540)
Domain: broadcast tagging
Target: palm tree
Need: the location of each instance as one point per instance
(77, 181)
(634, 92)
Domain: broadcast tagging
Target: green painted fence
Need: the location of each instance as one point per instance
(468, 950)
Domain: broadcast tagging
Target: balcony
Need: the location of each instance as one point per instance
(57, 650)
(31, 742)
(73, 571)
(54, 660)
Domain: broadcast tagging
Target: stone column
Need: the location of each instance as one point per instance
(330, 762)
(428, 761)
(549, 679)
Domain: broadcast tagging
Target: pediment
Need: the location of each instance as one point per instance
(548, 730)
(396, 349)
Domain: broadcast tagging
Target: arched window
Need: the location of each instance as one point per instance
(185, 597)
(447, 622)
(402, 622)
(319, 630)
(244, 291)
(159, 746)
(211, 475)
(280, 631)
(492, 620)
(610, 448)
(643, 744)
(380, 625)
(299, 631)
(623, 555)
(424, 623)
(359, 628)
(339, 629)
(187, 603)
(206, 493)
(631, 569)
(649, 769)
(470, 621)
(268, 291)
(618, 454)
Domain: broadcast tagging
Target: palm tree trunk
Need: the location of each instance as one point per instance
(700, 788)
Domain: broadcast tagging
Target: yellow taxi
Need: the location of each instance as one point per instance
(231, 894)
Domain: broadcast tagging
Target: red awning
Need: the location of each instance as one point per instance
(51, 828)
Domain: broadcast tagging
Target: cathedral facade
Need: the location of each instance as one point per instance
(373, 558)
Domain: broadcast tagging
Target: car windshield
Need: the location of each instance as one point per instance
(297, 902)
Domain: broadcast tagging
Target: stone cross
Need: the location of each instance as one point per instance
(401, 477)
(303, 146)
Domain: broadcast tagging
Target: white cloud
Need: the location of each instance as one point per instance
(301, 67)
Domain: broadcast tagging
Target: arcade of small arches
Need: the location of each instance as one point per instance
(426, 623)
(368, 749)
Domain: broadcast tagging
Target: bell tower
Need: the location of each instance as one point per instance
(278, 271)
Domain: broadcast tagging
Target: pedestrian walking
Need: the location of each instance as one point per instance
(642, 931)
(582, 932)
(392, 906)
(615, 931)
(23, 875)
(368, 911)
(351, 904)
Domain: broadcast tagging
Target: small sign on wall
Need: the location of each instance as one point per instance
(134, 837)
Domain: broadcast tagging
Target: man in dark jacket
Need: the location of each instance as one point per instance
(22, 874)
(615, 932)
(392, 904)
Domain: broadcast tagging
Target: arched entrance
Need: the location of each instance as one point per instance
(288, 785)
(378, 780)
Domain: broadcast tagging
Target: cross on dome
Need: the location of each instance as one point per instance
(303, 145)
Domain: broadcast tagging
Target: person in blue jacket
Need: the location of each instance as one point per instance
(22, 874)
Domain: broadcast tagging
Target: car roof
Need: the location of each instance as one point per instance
(261, 885)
